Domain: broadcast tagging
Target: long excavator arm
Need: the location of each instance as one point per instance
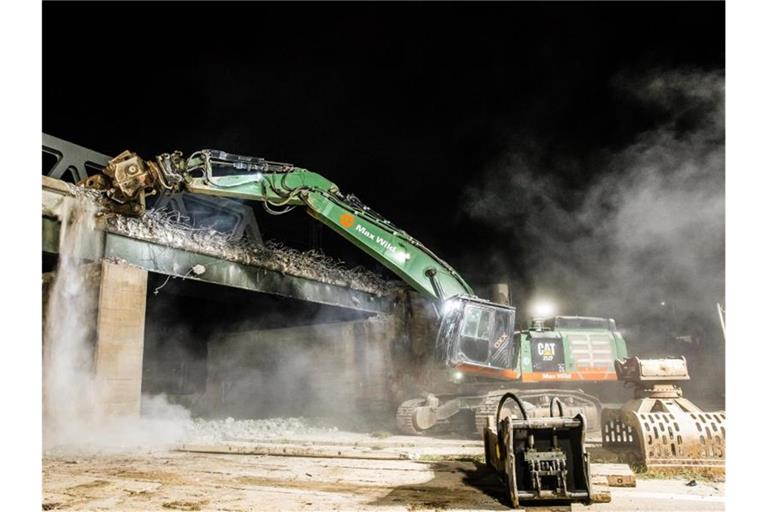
(475, 337)
(281, 187)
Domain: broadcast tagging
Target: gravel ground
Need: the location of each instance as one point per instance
(206, 481)
(214, 431)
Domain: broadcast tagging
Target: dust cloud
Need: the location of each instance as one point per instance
(73, 421)
(635, 233)
(272, 380)
(331, 372)
(69, 389)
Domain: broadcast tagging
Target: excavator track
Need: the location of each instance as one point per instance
(404, 417)
(487, 408)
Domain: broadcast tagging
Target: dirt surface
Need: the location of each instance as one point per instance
(196, 481)
(176, 480)
(310, 464)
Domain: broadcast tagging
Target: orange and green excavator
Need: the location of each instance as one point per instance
(476, 346)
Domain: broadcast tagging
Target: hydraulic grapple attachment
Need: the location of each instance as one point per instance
(538, 459)
(659, 428)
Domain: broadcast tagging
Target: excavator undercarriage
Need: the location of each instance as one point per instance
(657, 429)
(420, 415)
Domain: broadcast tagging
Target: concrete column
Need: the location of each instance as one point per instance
(120, 339)
(48, 279)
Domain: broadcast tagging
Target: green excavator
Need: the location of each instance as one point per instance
(476, 344)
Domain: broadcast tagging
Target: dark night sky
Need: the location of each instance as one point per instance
(404, 105)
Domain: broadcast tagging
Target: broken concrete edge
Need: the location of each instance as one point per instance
(601, 492)
(56, 185)
(158, 228)
(177, 262)
(165, 228)
(617, 475)
(50, 277)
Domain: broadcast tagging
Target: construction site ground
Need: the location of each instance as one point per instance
(337, 472)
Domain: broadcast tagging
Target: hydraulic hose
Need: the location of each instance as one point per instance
(519, 405)
(554, 401)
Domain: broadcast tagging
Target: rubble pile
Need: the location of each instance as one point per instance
(168, 228)
(216, 431)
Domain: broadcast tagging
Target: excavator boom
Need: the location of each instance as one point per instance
(127, 179)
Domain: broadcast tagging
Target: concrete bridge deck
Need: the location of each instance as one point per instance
(154, 256)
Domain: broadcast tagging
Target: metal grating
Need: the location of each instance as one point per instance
(592, 350)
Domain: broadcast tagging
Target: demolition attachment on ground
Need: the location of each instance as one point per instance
(659, 428)
(538, 459)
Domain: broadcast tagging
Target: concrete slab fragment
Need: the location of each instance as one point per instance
(617, 475)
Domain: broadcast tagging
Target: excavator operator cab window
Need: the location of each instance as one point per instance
(475, 332)
(477, 323)
(478, 333)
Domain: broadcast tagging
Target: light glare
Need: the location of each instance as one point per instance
(449, 306)
(543, 308)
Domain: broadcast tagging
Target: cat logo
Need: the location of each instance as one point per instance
(546, 351)
(347, 220)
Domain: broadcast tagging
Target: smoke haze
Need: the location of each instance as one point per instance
(69, 386)
(73, 421)
(239, 362)
(643, 240)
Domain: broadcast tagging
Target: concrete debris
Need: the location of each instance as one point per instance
(217, 431)
(99, 202)
(168, 227)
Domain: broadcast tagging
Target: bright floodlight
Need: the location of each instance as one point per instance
(450, 305)
(543, 308)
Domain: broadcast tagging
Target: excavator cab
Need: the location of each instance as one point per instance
(476, 338)
(477, 335)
